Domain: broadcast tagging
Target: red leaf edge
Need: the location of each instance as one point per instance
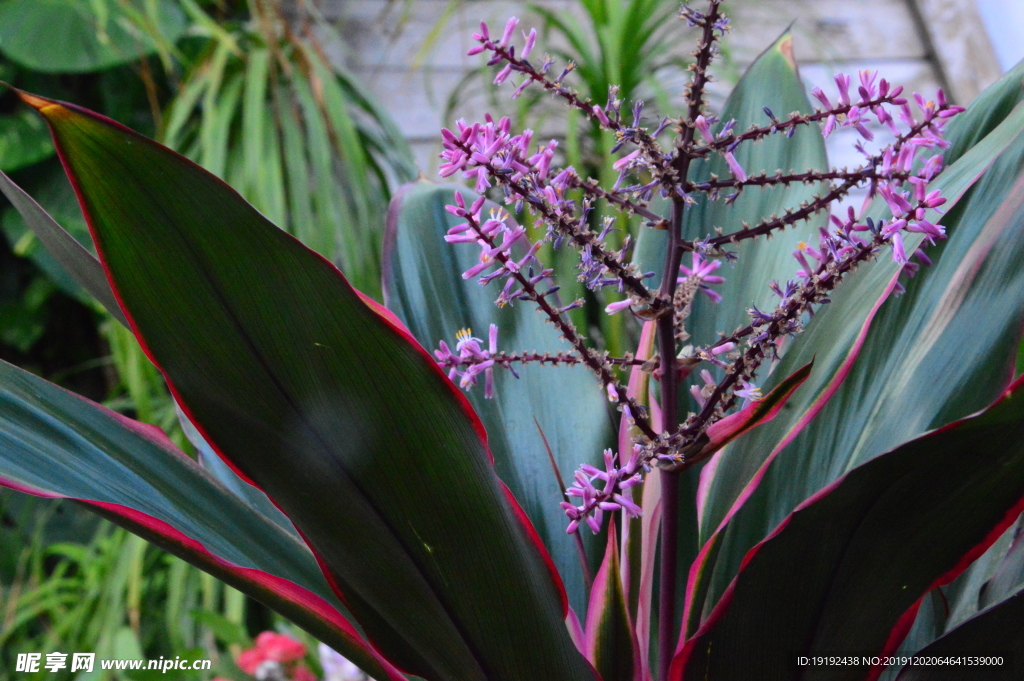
(906, 620)
(696, 568)
(284, 588)
(754, 414)
(388, 319)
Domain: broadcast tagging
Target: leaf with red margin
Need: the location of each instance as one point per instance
(88, 273)
(610, 640)
(937, 351)
(995, 632)
(697, 581)
(333, 410)
(54, 443)
(640, 537)
(847, 570)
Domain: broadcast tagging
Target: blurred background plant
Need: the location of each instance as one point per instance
(245, 88)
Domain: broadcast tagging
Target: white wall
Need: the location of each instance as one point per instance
(1004, 20)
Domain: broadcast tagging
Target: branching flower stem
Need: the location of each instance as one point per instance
(619, 201)
(825, 279)
(860, 175)
(768, 226)
(868, 172)
(754, 134)
(553, 358)
(572, 228)
(593, 359)
(492, 156)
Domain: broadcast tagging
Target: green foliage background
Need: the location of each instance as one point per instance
(250, 95)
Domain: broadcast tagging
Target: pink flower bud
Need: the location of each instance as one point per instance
(619, 306)
(531, 40)
(510, 27)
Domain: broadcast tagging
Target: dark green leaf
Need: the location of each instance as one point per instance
(56, 444)
(328, 406)
(846, 571)
(996, 632)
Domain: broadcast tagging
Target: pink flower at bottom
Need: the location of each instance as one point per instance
(280, 648)
(274, 647)
(303, 674)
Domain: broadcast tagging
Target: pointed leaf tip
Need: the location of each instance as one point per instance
(785, 47)
(40, 104)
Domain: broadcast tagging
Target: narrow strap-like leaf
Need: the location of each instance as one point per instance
(897, 527)
(56, 444)
(334, 411)
(71, 255)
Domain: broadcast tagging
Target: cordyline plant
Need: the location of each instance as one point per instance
(867, 501)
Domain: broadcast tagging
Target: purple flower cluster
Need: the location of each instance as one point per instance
(482, 151)
(903, 189)
(485, 234)
(503, 45)
(608, 494)
(875, 96)
(701, 273)
(478, 361)
(491, 157)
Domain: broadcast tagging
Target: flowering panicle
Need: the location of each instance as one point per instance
(521, 284)
(525, 173)
(488, 152)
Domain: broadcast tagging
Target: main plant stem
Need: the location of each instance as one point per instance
(667, 345)
(669, 424)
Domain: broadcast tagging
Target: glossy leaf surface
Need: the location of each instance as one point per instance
(423, 285)
(56, 444)
(898, 526)
(328, 406)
